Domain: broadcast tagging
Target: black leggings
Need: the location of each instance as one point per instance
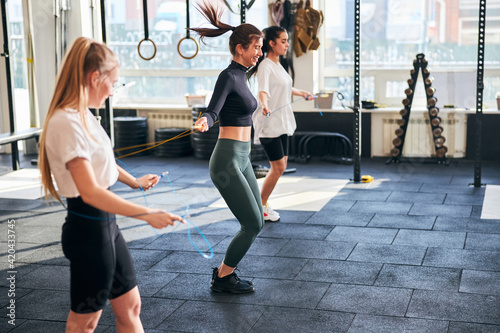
(100, 263)
(232, 174)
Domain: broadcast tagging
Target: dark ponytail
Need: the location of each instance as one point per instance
(243, 34)
(270, 34)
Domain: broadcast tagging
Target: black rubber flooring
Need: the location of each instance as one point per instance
(407, 252)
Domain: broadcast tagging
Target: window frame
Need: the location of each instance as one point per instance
(124, 101)
(384, 75)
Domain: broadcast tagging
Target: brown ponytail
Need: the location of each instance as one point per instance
(244, 34)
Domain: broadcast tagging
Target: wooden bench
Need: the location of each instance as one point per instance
(14, 137)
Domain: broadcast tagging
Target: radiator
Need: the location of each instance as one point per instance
(164, 119)
(419, 140)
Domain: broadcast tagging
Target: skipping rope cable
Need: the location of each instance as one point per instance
(165, 174)
(189, 224)
(190, 131)
(185, 216)
(315, 97)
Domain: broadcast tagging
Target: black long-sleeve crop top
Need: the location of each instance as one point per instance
(232, 102)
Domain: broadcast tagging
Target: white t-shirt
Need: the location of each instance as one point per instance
(66, 139)
(277, 84)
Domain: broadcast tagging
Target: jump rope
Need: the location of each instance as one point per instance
(165, 174)
(315, 97)
(185, 217)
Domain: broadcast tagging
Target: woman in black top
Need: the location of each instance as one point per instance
(232, 104)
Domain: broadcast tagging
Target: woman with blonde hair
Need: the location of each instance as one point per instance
(77, 152)
(233, 104)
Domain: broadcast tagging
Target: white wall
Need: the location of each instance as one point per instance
(44, 50)
(306, 78)
(44, 36)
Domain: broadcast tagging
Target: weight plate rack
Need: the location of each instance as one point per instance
(420, 63)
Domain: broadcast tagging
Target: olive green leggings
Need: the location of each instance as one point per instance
(232, 174)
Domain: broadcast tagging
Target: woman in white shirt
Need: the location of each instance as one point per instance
(273, 120)
(77, 152)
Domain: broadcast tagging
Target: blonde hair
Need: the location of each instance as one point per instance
(71, 92)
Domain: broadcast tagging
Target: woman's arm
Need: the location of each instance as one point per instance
(99, 197)
(147, 181)
(223, 87)
(307, 95)
(264, 98)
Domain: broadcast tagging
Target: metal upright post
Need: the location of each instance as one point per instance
(109, 110)
(5, 28)
(479, 91)
(243, 11)
(356, 117)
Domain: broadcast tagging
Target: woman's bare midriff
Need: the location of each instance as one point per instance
(235, 133)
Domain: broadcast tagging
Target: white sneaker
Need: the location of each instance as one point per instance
(270, 214)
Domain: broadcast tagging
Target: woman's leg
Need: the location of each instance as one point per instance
(87, 245)
(224, 270)
(254, 188)
(272, 177)
(247, 208)
(101, 266)
(232, 174)
(82, 322)
(277, 152)
(127, 309)
(124, 296)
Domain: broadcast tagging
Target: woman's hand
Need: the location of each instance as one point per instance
(266, 111)
(97, 196)
(307, 96)
(201, 124)
(158, 218)
(147, 181)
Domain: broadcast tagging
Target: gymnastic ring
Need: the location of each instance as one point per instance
(139, 49)
(179, 47)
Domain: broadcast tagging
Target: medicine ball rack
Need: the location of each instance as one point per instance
(420, 63)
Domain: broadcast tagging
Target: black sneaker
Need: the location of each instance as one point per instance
(230, 284)
(216, 271)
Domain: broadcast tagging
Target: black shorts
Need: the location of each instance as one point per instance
(100, 263)
(275, 148)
